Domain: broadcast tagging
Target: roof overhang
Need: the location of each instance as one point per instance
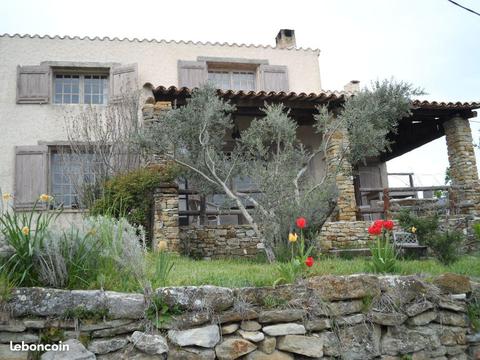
(424, 125)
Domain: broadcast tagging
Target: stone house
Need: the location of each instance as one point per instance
(45, 77)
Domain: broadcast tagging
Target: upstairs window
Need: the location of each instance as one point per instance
(80, 89)
(232, 80)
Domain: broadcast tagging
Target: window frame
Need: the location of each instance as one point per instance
(81, 73)
(231, 71)
(57, 149)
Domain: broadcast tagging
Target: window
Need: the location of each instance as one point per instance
(232, 80)
(80, 89)
(69, 173)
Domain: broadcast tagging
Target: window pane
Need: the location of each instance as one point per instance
(95, 89)
(69, 173)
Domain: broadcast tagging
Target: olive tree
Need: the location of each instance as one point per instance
(270, 155)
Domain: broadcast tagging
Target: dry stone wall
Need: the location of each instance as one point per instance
(328, 317)
(219, 241)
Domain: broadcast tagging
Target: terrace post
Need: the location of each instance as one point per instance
(165, 222)
(343, 176)
(463, 167)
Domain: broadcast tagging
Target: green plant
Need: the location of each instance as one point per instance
(476, 230)
(82, 313)
(473, 313)
(300, 259)
(271, 302)
(445, 245)
(25, 232)
(384, 257)
(424, 227)
(163, 265)
(367, 303)
(130, 195)
(159, 312)
(6, 287)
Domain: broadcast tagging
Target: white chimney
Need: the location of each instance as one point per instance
(352, 86)
(286, 39)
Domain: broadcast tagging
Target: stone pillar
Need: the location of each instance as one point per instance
(165, 222)
(463, 166)
(346, 202)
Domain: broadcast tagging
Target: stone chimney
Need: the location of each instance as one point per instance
(352, 86)
(286, 39)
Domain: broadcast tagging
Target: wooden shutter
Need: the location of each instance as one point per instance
(123, 80)
(31, 165)
(33, 84)
(192, 73)
(273, 78)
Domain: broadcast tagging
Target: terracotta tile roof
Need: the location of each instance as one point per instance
(321, 97)
(424, 104)
(158, 41)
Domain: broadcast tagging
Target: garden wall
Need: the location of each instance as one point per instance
(349, 317)
(219, 241)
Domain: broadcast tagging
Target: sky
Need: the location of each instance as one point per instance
(429, 43)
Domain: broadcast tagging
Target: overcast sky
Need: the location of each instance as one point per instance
(430, 43)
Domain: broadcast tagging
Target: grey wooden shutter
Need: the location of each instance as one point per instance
(33, 84)
(123, 80)
(273, 78)
(192, 73)
(31, 169)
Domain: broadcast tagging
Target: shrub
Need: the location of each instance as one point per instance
(25, 233)
(425, 226)
(163, 265)
(445, 246)
(476, 230)
(69, 258)
(130, 195)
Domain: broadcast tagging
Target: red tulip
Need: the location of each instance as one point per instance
(301, 222)
(375, 229)
(309, 262)
(388, 224)
(378, 223)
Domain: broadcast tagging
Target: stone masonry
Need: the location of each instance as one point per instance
(463, 168)
(346, 203)
(165, 225)
(324, 317)
(219, 241)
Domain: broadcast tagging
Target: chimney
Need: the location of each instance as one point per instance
(352, 86)
(286, 39)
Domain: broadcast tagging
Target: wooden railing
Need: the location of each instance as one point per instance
(384, 194)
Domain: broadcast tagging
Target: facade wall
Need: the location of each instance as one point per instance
(27, 124)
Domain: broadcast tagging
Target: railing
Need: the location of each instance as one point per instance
(385, 195)
(202, 212)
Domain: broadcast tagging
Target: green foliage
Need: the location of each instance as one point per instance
(425, 226)
(25, 233)
(129, 195)
(6, 288)
(163, 265)
(160, 313)
(473, 313)
(296, 266)
(367, 303)
(476, 230)
(82, 313)
(445, 246)
(271, 302)
(384, 257)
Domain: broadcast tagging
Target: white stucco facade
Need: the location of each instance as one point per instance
(29, 124)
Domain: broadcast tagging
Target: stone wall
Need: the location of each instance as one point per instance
(219, 241)
(165, 213)
(344, 235)
(348, 317)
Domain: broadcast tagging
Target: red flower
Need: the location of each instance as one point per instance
(375, 229)
(388, 224)
(309, 262)
(301, 222)
(378, 223)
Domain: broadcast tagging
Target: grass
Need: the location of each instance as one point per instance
(241, 273)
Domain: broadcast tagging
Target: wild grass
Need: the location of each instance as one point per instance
(241, 273)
